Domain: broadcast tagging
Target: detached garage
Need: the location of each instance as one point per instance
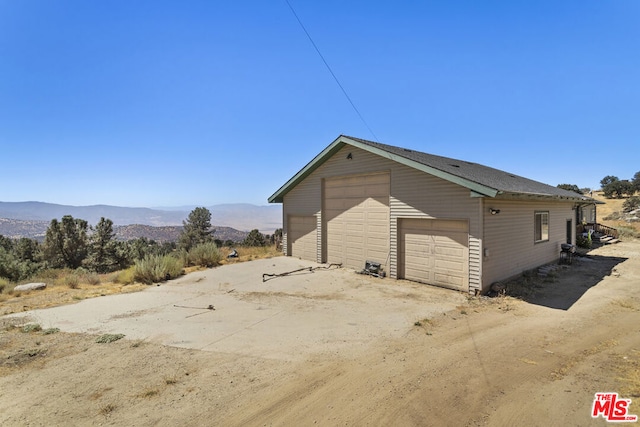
(424, 218)
(434, 251)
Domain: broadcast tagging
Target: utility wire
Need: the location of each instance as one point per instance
(331, 71)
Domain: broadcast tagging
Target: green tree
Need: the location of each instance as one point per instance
(197, 229)
(570, 187)
(626, 188)
(27, 249)
(618, 189)
(6, 243)
(254, 238)
(636, 182)
(65, 244)
(609, 179)
(102, 256)
(631, 204)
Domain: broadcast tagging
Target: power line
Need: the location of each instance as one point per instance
(331, 71)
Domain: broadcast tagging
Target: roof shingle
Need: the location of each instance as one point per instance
(503, 182)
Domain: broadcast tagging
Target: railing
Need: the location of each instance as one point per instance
(598, 228)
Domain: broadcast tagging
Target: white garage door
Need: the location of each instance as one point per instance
(302, 237)
(434, 251)
(356, 214)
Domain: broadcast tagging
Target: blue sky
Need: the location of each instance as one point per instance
(157, 103)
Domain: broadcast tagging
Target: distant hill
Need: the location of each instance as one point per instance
(171, 233)
(241, 216)
(14, 228)
(39, 211)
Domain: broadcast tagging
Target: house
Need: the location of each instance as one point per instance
(425, 218)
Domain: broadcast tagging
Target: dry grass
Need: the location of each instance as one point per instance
(107, 409)
(629, 375)
(564, 370)
(60, 292)
(109, 338)
(149, 393)
(250, 253)
(610, 207)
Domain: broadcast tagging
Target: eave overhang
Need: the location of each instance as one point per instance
(477, 190)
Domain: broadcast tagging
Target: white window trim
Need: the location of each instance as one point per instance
(544, 228)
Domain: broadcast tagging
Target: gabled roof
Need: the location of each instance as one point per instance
(482, 181)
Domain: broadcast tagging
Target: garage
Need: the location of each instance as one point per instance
(356, 216)
(434, 251)
(302, 237)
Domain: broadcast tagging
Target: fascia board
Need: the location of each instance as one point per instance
(335, 146)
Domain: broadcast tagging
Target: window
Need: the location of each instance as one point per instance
(541, 227)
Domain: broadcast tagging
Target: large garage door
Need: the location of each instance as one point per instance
(302, 237)
(434, 251)
(356, 211)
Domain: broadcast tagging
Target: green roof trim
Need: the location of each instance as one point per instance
(334, 147)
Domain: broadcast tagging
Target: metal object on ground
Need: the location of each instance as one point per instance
(209, 307)
(372, 268)
(566, 253)
(269, 276)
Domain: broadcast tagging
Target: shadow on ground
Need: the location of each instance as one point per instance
(565, 284)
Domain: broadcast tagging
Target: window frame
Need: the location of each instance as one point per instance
(539, 229)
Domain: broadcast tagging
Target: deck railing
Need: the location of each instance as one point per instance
(598, 228)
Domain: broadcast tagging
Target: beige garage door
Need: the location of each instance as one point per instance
(302, 237)
(356, 214)
(434, 251)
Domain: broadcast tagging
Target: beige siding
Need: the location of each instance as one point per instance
(434, 251)
(414, 194)
(509, 237)
(302, 236)
(356, 211)
(499, 246)
(303, 200)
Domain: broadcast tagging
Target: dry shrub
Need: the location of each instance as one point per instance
(72, 281)
(156, 268)
(92, 279)
(124, 277)
(205, 255)
(109, 338)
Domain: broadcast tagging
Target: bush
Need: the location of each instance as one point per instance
(205, 255)
(631, 204)
(156, 268)
(628, 232)
(92, 279)
(72, 281)
(3, 284)
(125, 277)
(182, 255)
(584, 242)
(31, 327)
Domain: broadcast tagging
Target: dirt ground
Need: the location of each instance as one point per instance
(531, 361)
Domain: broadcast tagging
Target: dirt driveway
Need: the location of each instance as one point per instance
(333, 348)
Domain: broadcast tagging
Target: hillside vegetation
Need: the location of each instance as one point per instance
(611, 214)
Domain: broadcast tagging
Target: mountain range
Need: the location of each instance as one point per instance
(31, 219)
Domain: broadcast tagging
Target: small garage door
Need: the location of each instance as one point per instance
(356, 211)
(302, 237)
(434, 251)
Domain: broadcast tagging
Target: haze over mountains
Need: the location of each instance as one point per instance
(240, 216)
